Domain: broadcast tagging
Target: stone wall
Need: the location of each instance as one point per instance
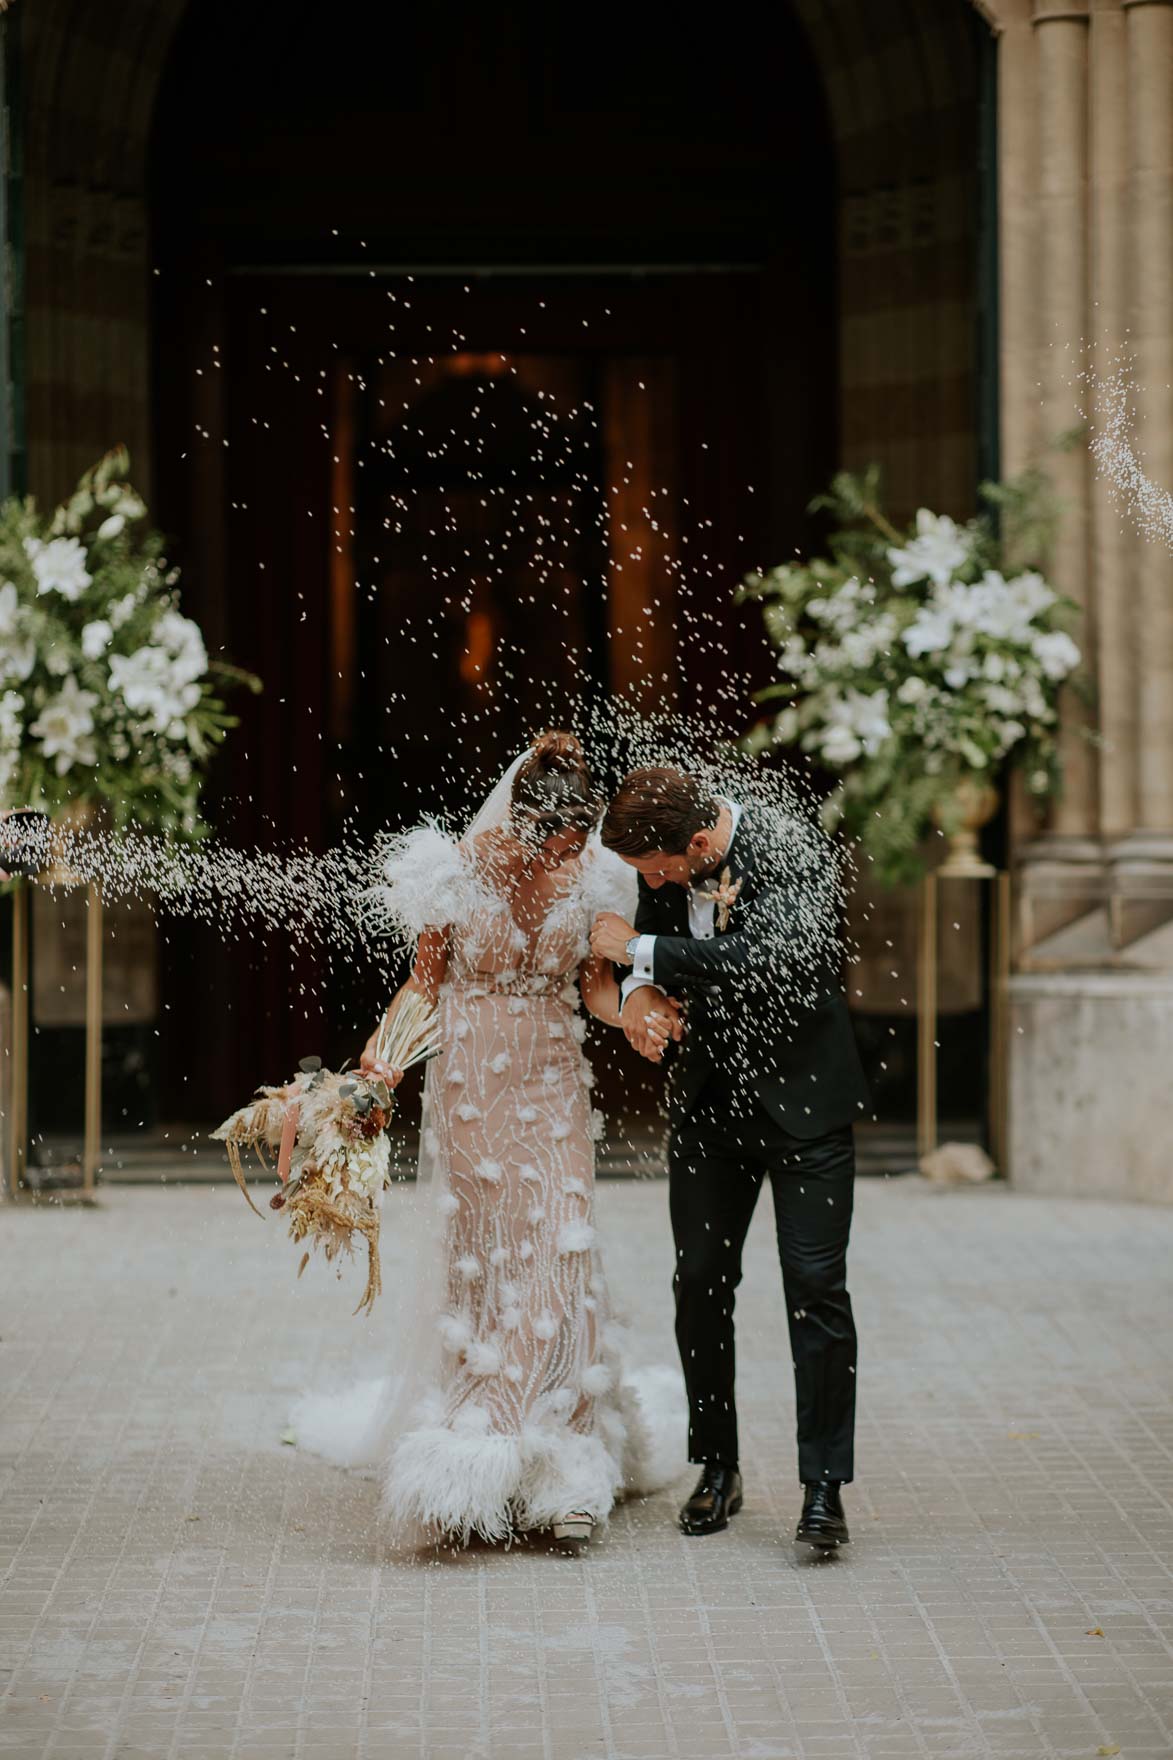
(1086, 196)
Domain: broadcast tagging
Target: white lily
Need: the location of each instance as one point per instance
(59, 566)
(65, 726)
(939, 549)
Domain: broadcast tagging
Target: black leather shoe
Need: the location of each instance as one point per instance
(822, 1522)
(717, 1497)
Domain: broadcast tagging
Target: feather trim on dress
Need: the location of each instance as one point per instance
(428, 883)
(458, 1479)
(609, 883)
(453, 1481)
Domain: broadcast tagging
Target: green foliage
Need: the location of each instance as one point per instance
(107, 695)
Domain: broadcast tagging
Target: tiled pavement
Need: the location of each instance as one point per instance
(174, 1582)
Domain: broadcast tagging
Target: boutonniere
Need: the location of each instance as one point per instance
(726, 896)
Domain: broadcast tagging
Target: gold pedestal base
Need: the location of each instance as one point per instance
(964, 863)
(17, 1158)
(927, 976)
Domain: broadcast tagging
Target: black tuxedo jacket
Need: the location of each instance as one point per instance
(765, 995)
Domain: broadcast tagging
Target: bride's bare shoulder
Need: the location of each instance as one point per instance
(485, 853)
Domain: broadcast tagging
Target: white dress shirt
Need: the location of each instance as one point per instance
(702, 910)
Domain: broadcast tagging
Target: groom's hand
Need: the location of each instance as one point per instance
(610, 936)
(650, 1020)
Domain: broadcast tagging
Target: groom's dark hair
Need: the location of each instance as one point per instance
(658, 810)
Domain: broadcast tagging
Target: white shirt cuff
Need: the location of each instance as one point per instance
(631, 984)
(643, 966)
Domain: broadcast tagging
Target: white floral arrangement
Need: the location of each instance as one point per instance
(915, 661)
(107, 694)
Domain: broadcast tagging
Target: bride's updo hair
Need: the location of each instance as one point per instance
(554, 790)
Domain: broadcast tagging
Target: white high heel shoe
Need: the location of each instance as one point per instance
(574, 1530)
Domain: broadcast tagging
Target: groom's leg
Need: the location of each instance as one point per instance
(711, 1191)
(813, 1185)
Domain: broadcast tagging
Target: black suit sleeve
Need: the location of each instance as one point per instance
(646, 912)
(775, 932)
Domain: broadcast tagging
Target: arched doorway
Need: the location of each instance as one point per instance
(780, 224)
(656, 261)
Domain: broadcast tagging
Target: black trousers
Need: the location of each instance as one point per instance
(717, 1161)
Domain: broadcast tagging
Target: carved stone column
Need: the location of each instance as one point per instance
(1018, 148)
(1061, 94)
(1092, 1001)
(1114, 544)
(1047, 63)
(1142, 860)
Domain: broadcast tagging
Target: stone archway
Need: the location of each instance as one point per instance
(1085, 237)
(900, 82)
(901, 88)
(88, 83)
(902, 85)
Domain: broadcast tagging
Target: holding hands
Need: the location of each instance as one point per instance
(650, 1020)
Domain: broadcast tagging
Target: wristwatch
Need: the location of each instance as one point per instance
(632, 949)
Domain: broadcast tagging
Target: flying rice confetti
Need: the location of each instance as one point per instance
(533, 544)
(1118, 460)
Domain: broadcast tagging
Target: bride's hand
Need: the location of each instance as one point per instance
(650, 1019)
(371, 1065)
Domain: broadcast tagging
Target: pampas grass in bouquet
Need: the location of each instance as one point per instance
(329, 1135)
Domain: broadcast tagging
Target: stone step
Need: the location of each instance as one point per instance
(634, 1149)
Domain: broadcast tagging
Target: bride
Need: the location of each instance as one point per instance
(509, 1407)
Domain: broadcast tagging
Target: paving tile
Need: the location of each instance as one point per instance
(177, 1585)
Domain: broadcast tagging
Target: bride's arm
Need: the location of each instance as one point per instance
(431, 963)
(427, 974)
(600, 992)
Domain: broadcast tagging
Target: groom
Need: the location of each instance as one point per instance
(765, 1082)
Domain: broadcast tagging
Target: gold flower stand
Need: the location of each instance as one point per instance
(964, 866)
(17, 1157)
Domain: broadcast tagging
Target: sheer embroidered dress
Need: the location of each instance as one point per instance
(509, 1403)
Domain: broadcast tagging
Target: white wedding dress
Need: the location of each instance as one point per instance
(508, 1401)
